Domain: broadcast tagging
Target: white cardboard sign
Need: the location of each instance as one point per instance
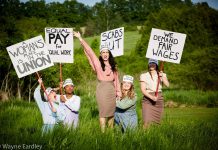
(114, 40)
(29, 56)
(166, 45)
(60, 44)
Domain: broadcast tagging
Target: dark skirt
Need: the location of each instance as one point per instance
(106, 98)
(152, 111)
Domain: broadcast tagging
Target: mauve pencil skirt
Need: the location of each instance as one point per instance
(152, 111)
(106, 98)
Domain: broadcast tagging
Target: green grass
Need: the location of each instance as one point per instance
(192, 97)
(130, 40)
(181, 128)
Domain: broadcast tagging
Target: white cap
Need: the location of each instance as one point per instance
(68, 82)
(152, 61)
(48, 91)
(104, 47)
(128, 78)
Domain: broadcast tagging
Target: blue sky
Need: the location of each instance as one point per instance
(86, 2)
(211, 3)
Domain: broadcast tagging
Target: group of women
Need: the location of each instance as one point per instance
(58, 109)
(117, 102)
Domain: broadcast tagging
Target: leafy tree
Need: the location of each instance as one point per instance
(200, 46)
(35, 8)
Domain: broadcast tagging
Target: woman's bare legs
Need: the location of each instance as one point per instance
(111, 122)
(102, 124)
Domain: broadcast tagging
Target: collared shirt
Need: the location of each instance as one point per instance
(126, 103)
(151, 84)
(71, 108)
(108, 74)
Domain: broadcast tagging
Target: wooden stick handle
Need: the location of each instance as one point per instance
(61, 80)
(161, 66)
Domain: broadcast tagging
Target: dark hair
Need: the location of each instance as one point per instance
(156, 70)
(111, 62)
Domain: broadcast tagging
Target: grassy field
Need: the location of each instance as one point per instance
(194, 126)
(181, 128)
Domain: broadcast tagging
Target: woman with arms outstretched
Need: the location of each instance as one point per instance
(108, 87)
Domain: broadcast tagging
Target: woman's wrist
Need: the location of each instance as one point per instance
(162, 75)
(80, 38)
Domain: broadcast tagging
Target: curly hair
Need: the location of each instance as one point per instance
(130, 93)
(111, 62)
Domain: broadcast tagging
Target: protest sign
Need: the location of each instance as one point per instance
(60, 44)
(29, 56)
(114, 40)
(166, 45)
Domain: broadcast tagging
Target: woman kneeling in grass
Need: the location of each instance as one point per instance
(125, 114)
(51, 115)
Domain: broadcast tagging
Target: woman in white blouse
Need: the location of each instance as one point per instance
(152, 105)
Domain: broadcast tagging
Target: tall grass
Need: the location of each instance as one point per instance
(181, 128)
(188, 97)
(192, 97)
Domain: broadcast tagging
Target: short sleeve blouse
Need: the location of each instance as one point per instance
(151, 84)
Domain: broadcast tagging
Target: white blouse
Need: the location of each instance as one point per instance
(151, 84)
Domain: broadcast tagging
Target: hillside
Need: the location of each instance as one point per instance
(130, 40)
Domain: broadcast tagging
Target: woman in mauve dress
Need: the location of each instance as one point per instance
(152, 106)
(108, 88)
